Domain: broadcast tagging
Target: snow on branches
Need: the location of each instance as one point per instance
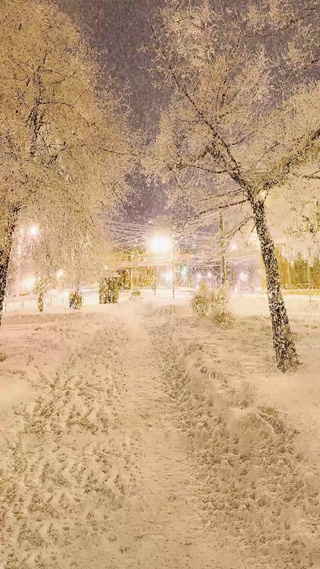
(241, 117)
(55, 127)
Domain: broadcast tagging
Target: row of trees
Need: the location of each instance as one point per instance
(58, 130)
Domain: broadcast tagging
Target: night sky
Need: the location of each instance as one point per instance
(117, 29)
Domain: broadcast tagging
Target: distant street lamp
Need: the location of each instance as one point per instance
(162, 245)
(34, 231)
(29, 283)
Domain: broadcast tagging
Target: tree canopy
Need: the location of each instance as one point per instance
(58, 129)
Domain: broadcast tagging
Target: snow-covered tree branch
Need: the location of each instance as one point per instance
(243, 115)
(54, 125)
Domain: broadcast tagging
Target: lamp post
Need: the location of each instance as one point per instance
(162, 244)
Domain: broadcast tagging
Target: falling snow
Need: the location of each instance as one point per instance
(159, 284)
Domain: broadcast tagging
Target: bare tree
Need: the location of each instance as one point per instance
(54, 130)
(241, 116)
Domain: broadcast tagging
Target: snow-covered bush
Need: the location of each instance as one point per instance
(135, 294)
(219, 305)
(201, 303)
(213, 303)
(75, 299)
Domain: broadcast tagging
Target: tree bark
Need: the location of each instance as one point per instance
(223, 261)
(284, 346)
(5, 253)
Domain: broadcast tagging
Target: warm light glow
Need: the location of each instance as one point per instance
(60, 274)
(161, 244)
(243, 277)
(34, 231)
(168, 276)
(234, 246)
(199, 276)
(209, 275)
(28, 283)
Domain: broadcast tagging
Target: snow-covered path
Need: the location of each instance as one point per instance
(94, 475)
(138, 436)
(164, 517)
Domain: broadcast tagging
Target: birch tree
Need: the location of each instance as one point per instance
(244, 114)
(55, 128)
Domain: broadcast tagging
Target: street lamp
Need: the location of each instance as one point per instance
(162, 245)
(34, 231)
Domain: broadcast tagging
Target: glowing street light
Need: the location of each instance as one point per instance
(59, 274)
(29, 283)
(234, 246)
(161, 244)
(34, 231)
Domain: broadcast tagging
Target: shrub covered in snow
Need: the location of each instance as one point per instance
(201, 303)
(219, 305)
(213, 303)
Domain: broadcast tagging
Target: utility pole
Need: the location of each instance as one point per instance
(223, 258)
(133, 268)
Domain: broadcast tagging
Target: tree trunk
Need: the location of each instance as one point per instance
(286, 354)
(5, 258)
(223, 262)
(41, 301)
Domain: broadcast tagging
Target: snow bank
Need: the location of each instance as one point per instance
(62, 456)
(259, 483)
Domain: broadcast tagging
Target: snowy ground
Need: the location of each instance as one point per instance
(136, 435)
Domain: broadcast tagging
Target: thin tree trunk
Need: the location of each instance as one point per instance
(5, 258)
(223, 261)
(286, 354)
